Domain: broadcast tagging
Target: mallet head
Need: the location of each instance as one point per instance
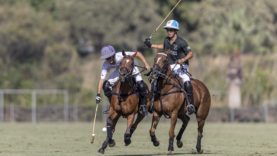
(92, 138)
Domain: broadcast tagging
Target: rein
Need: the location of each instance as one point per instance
(158, 72)
(129, 75)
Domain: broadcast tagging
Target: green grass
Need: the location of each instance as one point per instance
(73, 139)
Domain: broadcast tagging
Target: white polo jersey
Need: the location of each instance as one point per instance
(107, 67)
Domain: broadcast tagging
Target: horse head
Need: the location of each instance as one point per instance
(160, 66)
(126, 66)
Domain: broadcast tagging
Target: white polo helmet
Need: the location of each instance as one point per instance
(172, 24)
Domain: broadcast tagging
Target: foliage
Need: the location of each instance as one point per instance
(123, 23)
(224, 26)
(28, 38)
(221, 27)
(39, 39)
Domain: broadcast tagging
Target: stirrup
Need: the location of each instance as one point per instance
(191, 109)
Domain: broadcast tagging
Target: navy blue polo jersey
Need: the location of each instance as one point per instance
(177, 49)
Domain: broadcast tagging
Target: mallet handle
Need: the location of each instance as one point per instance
(93, 126)
(158, 27)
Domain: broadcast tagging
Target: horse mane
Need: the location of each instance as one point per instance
(172, 78)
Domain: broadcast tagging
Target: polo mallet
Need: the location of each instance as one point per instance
(158, 27)
(93, 126)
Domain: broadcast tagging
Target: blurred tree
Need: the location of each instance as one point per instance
(36, 39)
(37, 4)
(123, 23)
(220, 27)
(43, 4)
(26, 37)
(223, 26)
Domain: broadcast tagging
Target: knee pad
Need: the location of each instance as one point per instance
(141, 88)
(107, 88)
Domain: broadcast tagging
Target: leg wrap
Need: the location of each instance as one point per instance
(109, 129)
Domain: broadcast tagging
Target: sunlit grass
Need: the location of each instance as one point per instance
(66, 139)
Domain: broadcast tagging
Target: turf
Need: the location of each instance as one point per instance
(72, 139)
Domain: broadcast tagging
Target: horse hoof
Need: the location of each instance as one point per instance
(199, 151)
(179, 143)
(170, 152)
(170, 148)
(101, 150)
(112, 143)
(156, 143)
(127, 142)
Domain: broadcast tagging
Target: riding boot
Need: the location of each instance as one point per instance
(107, 88)
(189, 93)
(142, 95)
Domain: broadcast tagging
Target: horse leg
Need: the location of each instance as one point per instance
(171, 132)
(155, 122)
(138, 120)
(201, 123)
(185, 119)
(112, 142)
(111, 120)
(127, 135)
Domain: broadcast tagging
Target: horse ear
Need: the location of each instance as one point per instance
(123, 53)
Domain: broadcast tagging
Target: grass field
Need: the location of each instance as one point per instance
(73, 139)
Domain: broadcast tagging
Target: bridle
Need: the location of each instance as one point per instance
(160, 77)
(157, 70)
(125, 70)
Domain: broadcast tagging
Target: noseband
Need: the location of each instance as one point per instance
(158, 71)
(126, 71)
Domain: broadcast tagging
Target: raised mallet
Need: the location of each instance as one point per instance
(157, 28)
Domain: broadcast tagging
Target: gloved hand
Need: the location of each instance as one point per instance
(98, 98)
(147, 42)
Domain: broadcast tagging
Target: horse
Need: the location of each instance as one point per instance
(124, 102)
(168, 98)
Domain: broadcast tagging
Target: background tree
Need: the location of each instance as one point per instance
(39, 39)
(28, 38)
(123, 23)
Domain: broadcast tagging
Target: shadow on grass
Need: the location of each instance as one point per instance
(158, 154)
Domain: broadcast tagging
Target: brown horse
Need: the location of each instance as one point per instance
(124, 102)
(168, 99)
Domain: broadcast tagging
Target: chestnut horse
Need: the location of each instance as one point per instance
(168, 98)
(124, 102)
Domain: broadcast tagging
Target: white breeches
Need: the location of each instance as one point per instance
(182, 71)
(115, 76)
